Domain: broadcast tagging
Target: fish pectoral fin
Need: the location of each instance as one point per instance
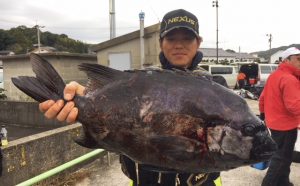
(176, 147)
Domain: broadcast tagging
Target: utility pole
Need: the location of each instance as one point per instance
(142, 42)
(270, 40)
(112, 19)
(38, 35)
(270, 45)
(216, 4)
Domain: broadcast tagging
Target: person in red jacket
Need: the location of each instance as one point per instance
(279, 105)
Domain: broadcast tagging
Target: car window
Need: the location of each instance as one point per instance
(274, 67)
(205, 67)
(221, 70)
(265, 69)
(236, 68)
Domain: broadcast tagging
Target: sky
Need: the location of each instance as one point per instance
(244, 25)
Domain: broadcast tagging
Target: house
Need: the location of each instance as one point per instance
(210, 55)
(276, 57)
(6, 53)
(245, 57)
(123, 52)
(44, 49)
(65, 63)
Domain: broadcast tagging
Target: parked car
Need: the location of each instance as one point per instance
(227, 71)
(257, 74)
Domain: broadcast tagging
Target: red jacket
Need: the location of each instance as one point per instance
(280, 99)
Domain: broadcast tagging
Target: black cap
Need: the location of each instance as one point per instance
(179, 19)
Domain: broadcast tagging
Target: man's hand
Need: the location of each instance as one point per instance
(63, 111)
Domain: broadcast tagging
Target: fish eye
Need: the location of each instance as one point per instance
(249, 130)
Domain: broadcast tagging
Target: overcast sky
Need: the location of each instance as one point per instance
(242, 23)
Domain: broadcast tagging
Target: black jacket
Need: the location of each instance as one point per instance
(151, 178)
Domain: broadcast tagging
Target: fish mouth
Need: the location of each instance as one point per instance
(264, 151)
(263, 156)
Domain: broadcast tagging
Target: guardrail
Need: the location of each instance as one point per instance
(60, 168)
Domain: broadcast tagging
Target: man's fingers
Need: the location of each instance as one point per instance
(63, 114)
(54, 109)
(72, 115)
(44, 106)
(71, 89)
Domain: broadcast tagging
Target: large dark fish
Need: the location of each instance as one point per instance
(168, 119)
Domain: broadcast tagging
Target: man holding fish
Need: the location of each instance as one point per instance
(179, 42)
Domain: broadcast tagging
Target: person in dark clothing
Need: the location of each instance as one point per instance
(179, 43)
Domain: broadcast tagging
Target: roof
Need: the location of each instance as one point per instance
(211, 52)
(124, 38)
(59, 54)
(244, 56)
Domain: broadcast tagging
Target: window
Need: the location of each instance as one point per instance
(205, 67)
(274, 68)
(265, 69)
(221, 70)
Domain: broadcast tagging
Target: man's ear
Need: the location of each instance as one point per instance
(199, 41)
(160, 43)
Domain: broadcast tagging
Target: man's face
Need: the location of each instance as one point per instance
(180, 47)
(295, 60)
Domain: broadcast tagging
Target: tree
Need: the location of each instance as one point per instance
(21, 40)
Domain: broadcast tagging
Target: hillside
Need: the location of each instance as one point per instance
(266, 54)
(21, 39)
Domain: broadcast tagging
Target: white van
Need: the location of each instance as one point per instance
(227, 71)
(258, 72)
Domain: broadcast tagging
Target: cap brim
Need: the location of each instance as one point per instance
(177, 27)
(292, 54)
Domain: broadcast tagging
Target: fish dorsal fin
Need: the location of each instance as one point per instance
(100, 75)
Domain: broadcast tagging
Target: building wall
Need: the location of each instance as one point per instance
(25, 114)
(275, 57)
(133, 47)
(66, 65)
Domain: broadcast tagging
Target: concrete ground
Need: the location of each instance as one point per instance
(113, 176)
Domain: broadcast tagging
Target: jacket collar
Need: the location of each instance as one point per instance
(290, 68)
(167, 65)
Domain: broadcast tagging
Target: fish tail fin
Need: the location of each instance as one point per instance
(46, 85)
